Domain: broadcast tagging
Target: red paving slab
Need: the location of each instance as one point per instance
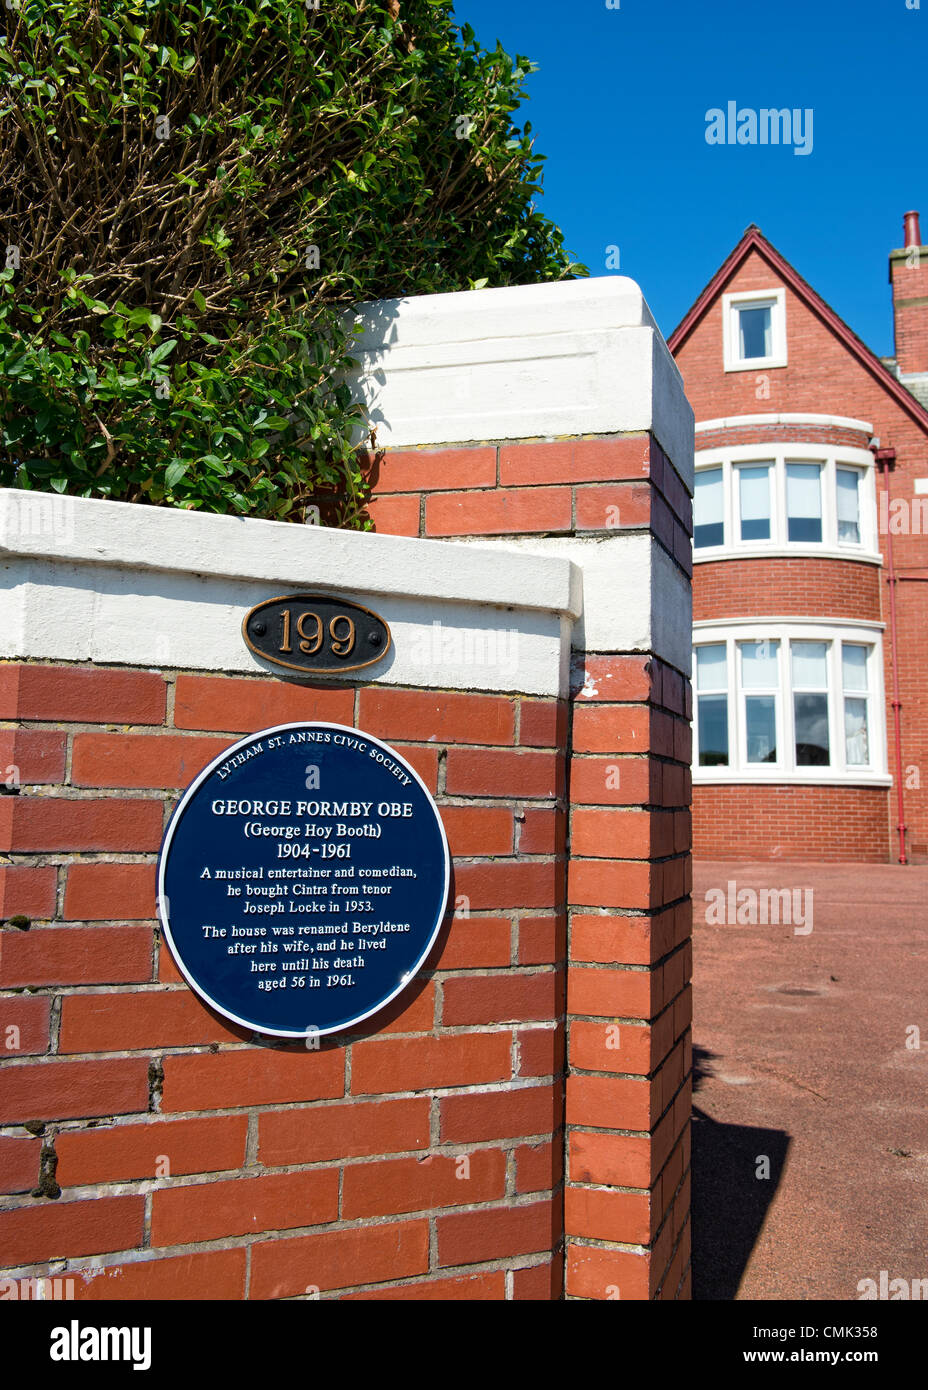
(801, 1057)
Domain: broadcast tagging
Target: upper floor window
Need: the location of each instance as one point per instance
(754, 330)
(744, 502)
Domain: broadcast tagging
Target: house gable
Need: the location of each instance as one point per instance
(829, 369)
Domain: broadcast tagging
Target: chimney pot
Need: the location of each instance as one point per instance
(908, 273)
(913, 236)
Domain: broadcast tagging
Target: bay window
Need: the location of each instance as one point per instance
(788, 701)
(793, 501)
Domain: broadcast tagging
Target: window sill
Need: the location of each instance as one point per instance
(786, 552)
(710, 777)
(757, 364)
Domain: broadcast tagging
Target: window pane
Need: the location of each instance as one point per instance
(856, 742)
(854, 666)
(711, 668)
(759, 665)
(708, 509)
(712, 711)
(804, 501)
(761, 719)
(754, 487)
(755, 332)
(812, 747)
(848, 506)
(810, 668)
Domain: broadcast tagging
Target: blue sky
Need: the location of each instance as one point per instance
(619, 109)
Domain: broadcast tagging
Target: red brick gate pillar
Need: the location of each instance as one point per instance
(628, 996)
(553, 418)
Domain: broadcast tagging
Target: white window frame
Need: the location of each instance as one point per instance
(841, 466)
(773, 490)
(785, 770)
(833, 697)
(777, 455)
(850, 693)
(742, 692)
(775, 300)
(699, 694)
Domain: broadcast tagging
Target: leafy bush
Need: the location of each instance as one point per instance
(191, 193)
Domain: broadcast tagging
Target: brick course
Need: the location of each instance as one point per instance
(140, 1087)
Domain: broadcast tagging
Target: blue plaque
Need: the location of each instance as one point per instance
(303, 879)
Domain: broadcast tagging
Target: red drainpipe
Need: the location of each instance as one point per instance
(886, 460)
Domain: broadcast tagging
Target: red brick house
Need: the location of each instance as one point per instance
(811, 558)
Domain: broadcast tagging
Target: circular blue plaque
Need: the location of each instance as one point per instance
(303, 879)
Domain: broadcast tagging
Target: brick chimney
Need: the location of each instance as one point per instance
(908, 275)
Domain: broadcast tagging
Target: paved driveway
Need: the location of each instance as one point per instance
(804, 1057)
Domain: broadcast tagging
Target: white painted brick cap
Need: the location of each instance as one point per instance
(115, 584)
(567, 358)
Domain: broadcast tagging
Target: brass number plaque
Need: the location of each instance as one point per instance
(316, 633)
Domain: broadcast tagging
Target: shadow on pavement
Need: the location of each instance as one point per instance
(729, 1200)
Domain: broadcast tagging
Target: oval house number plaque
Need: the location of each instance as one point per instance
(316, 633)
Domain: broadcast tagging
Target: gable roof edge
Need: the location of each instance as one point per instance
(754, 240)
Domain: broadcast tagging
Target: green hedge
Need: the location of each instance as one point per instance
(191, 193)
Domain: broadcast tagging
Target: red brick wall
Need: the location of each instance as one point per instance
(627, 1227)
(341, 1169)
(420, 1159)
(834, 436)
(757, 587)
(570, 487)
(827, 824)
(822, 377)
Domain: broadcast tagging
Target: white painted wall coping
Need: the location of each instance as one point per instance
(129, 536)
(571, 357)
(155, 587)
(732, 421)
